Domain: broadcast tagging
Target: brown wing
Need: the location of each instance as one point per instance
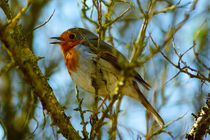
(113, 56)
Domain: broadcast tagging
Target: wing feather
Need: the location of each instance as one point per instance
(113, 56)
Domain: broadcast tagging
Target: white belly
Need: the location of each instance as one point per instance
(107, 77)
(82, 76)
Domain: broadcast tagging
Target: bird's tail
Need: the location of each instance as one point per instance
(148, 106)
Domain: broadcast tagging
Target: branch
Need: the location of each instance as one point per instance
(84, 14)
(82, 113)
(184, 69)
(45, 21)
(139, 43)
(13, 22)
(26, 64)
(167, 40)
(198, 59)
(6, 68)
(116, 93)
(160, 130)
(113, 21)
(164, 10)
(201, 124)
(6, 9)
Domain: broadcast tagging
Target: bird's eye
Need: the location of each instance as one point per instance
(71, 36)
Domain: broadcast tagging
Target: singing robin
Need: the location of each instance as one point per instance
(80, 50)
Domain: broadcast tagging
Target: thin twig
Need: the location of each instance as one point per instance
(113, 21)
(198, 59)
(139, 43)
(12, 23)
(158, 131)
(184, 69)
(140, 8)
(45, 21)
(164, 10)
(84, 9)
(6, 68)
(82, 112)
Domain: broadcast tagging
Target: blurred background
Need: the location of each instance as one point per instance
(21, 113)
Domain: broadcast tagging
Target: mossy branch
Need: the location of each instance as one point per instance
(201, 124)
(26, 63)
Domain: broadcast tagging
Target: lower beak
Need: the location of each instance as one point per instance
(57, 38)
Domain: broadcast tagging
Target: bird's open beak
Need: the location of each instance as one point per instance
(57, 38)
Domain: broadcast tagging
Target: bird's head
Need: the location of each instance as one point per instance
(72, 37)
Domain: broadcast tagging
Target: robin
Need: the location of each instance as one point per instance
(80, 50)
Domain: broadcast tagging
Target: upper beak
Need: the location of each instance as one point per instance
(58, 38)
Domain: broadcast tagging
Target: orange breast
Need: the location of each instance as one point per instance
(72, 60)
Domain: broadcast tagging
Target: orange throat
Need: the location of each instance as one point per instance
(71, 59)
(71, 55)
